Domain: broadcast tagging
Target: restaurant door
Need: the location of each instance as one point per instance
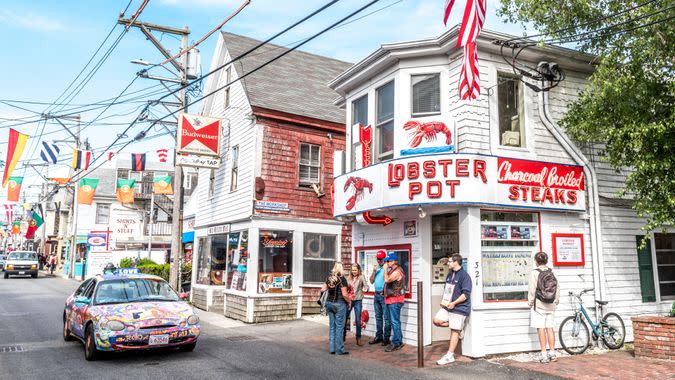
(444, 242)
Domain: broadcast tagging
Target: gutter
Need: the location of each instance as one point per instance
(594, 203)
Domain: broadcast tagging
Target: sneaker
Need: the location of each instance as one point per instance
(386, 343)
(543, 357)
(446, 359)
(375, 341)
(551, 356)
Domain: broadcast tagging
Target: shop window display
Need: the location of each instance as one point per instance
(509, 241)
(237, 258)
(275, 269)
(318, 256)
(366, 257)
(212, 263)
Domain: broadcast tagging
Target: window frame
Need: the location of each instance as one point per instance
(234, 168)
(311, 165)
(392, 247)
(377, 156)
(507, 77)
(355, 137)
(412, 95)
(226, 94)
(655, 267)
(211, 189)
(329, 259)
(96, 216)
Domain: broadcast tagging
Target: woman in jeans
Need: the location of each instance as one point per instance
(357, 285)
(337, 304)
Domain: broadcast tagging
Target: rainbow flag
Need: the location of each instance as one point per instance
(15, 146)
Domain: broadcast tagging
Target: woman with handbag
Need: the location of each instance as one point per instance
(357, 285)
(337, 304)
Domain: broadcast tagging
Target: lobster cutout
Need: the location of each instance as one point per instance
(420, 131)
(359, 184)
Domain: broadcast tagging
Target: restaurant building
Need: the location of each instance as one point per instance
(425, 174)
(265, 236)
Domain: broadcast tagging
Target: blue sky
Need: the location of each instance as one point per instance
(48, 42)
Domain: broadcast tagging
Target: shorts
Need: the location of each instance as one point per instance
(541, 320)
(455, 321)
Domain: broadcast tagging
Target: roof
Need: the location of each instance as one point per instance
(295, 84)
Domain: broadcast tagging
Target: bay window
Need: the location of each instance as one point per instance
(385, 122)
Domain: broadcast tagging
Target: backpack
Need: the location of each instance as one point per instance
(547, 286)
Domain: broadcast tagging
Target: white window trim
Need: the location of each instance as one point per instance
(232, 169)
(377, 156)
(310, 182)
(332, 259)
(412, 97)
(655, 268)
(96, 214)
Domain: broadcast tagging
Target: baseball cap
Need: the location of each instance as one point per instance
(381, 254)
(391, 257)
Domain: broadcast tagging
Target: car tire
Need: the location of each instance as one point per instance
(188, 347)
(91, 353)
(6, 275)
(34, 275)
(66, 332)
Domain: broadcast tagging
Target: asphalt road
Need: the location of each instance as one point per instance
(31, 347)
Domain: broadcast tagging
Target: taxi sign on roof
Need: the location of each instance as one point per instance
(126, 271)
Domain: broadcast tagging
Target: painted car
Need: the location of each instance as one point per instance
(118, 312)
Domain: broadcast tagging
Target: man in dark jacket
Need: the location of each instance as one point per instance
(455, 306)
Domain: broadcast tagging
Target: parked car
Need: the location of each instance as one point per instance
(121, 312)
(3, 258)
(21, 263)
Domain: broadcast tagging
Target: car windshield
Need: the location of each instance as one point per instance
(134, 290)
(20, 255)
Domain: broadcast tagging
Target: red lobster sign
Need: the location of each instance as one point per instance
(366, 140)
(419, 131)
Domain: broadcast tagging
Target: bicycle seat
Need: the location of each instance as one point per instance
(601, 302)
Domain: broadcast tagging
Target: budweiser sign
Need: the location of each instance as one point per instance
(199, 135)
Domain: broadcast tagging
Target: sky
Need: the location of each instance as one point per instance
(48, 43)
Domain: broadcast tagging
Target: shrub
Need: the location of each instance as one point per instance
(186, 272)
(146, 261)
(161, 270)
(126, 262)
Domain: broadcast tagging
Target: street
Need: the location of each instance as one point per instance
(31, 347)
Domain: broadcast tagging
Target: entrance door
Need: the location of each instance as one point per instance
(444, 242)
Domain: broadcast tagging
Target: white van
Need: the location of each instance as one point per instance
(21, 263)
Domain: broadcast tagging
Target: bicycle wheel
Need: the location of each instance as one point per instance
(574, 336)
(613, 331)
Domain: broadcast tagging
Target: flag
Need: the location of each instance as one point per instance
(15, 146)
(469, 81)
(85, 194)
(125, 190)
(32, 227)
(57, 206)
(137, 162)
(81, 159)
(110, 155)
(38, 219)
(9, 212)
(162, 154)
(60, 180)
(448, 8)
(162, 185)
(49, 152)
(14, 188)
(472, 22)
(16, 228)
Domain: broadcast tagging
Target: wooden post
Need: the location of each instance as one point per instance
(420, 324)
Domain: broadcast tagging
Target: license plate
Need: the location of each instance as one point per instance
(158, 339)
(22, 272)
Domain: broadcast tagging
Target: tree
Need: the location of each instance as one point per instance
(629, 103)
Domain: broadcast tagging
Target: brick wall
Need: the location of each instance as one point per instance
(654, 337)
(346, 246)
(280, 167)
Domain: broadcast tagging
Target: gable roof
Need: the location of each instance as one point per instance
(295, 84)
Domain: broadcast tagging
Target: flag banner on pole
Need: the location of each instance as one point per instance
(60, 181)
(14, 188)
(15, 146)
(16, 228)
(138, 162)
(85, 194)
(38, 219)
(162, 154)
(162, 185)
(81, 159)
(125, 190)
(9, 211)
(469, 81)
(110, 155)
(49, 152)
(32, 227)
(472, 22)
(448, 8)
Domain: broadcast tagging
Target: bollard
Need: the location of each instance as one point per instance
(420, 325)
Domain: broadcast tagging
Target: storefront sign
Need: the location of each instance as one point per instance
(125, 224)
(461, 179)
(198, 161)
(275, 207)
(199, 135)
(97, 241)
(221, 229)
(506, 272)
(568, 249)
(270, 242)
(96, 262)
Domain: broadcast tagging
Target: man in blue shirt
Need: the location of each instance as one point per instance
(381, 312)
(455, 306)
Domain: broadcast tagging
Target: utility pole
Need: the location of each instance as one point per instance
(151, 223)
(181, 67)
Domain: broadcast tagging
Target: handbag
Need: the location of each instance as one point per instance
(323, 297)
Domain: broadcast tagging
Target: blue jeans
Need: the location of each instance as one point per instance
(337, 313)
(357, 306)
(395, 316)
(381, 315)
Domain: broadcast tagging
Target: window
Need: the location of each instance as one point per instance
(509, 241)
(426, 94)
(665, 264)
(138, 186)
(212, 263)
(359, 116)
(234, 175)
(310, 164)
(385, 122)
(102, 213)
(228, 79)
(123, 173)
(646, 270)
(275, 262)
(318, 256)
(237, 258)
(511, 111)
(366, 257)
(212, 182)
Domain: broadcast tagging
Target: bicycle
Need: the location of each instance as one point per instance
(574, 335)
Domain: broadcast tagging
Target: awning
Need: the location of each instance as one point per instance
(188, 237)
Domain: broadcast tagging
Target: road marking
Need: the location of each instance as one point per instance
(10, 349)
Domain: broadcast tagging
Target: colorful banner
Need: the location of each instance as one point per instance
(32, 227)
(38, 219)
(125, 190)
(162, 185)
(16, 228)
(137, 162)
(85, 194)
(81, 159)
(15, 146)
(14, 188)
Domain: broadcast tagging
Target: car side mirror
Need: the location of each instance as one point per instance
(82, 300)
(184, 296)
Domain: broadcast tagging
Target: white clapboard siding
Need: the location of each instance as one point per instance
(224, 205)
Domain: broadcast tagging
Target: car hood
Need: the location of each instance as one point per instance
(143, 314)
(21, 262)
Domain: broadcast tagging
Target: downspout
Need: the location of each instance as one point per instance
(594, 202)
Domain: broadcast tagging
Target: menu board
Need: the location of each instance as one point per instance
(506, 271)
(568, 249)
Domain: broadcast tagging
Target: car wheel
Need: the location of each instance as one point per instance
(188, 347)
(66, 331)
(91, 353)
(34, 275)
(6, 275)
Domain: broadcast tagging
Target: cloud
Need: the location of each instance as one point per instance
(31, 21)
